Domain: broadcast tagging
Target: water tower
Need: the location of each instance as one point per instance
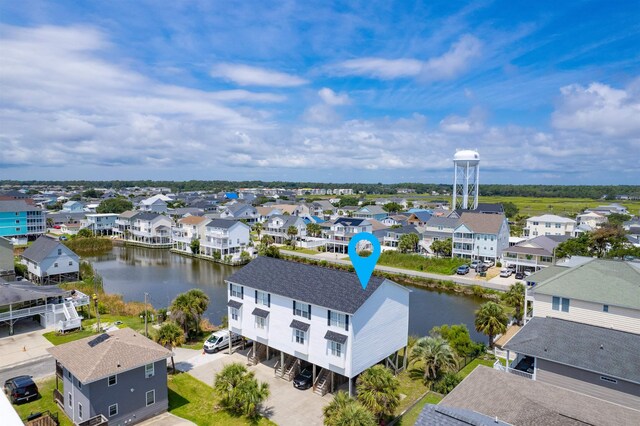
(466, 180)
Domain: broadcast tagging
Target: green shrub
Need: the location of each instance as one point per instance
(446, 383)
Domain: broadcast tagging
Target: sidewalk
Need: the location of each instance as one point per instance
(332, 258)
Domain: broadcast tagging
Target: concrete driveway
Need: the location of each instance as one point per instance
(26, 345)
(166, 419)
(286, 405)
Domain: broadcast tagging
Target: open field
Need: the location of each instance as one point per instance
(531, 206)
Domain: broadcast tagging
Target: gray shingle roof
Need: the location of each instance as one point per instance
(329, 288)
(16, 206)
(41, 248)
(24, 291)
(234, 304)
(440, 415)
(221, 223)
(146, 216)
(335, 337)
(602, 350)
(349, 221)
(526, 402)
(260, 313)
(299, 325)
(96, 357)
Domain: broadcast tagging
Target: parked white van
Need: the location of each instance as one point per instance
(220, 340)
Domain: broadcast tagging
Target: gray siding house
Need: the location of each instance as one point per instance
(119, 378)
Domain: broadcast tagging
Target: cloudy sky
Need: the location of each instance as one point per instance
(548, 92)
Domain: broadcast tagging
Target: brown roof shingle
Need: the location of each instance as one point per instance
(193, 220)
(482, 223)
(96, 357)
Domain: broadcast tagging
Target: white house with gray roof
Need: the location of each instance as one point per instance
(549, 224)
(48, 261)
(482, 236)
(342, 230)
(533, 254)
(224, 237)
(115, 378)
(317, 317)
(238, 211)
(277, 227)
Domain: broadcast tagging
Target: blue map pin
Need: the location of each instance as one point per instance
(364, 265)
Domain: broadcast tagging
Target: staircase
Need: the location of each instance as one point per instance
(321, 385)
(72, 318)
(290, 368)
(259, 355)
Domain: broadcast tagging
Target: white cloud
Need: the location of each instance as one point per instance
(449, 65)
(599, 109)
(245, 75)
(454, 62)
(332, 98)
(473, 123)
(385, 69)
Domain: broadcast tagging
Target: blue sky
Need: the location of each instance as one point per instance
(548, 92)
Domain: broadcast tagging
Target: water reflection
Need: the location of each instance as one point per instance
(132, 271)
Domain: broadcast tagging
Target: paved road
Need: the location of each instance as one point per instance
(455, 278)
(38, 368)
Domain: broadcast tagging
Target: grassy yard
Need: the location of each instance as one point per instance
(412, 415)
(445, 266)
(193, 400)
(134, 323)
(43, 403)
(473, 364)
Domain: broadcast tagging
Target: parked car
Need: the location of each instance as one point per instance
(519, 275)
(462, 270)
(527, 272)
(488, 263)
(505, 273)
(220, 340)
(63, 238)
(474, 264)
(304, 379)
(481, 268)
(512, 268)
(20, 389)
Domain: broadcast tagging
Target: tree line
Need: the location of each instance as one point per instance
(553, 191)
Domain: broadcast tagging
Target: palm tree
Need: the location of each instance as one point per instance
(343, 410)
(355, 415)
(267, 240)
(435, 353)
(491, 320)
(313, 229)
(238, 389)
(169, 336)
(378, 391)
(258, 227)
(292, 231)
(515, 297)
(187, 308)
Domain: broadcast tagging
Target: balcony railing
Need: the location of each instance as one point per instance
(98, 420)
(498, 366)
(58, 398)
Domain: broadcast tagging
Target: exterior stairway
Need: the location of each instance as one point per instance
(290, 370)
(259, 355)
(321, 385)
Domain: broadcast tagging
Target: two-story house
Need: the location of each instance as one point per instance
(549, 224)
(100, 223)
(151, 229)
(73, 207)
(124, 222)
(240, 211)
(582, 331)
(278, 227)
(480, 236)
(342, 230)
(48, 261)
(319, 317)
(533, 254)
(391, 236)
(116, 378)
(156, 204)
(437, 228)
(186, 231)
(224, 237)
(591, 219)
(371, 212)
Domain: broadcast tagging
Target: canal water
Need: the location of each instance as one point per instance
(133, 271)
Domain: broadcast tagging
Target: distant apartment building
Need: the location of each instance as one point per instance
(21, 220)
(549, 224)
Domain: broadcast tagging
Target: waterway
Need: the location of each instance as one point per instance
(134, 271)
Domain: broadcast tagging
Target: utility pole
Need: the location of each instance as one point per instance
(146, 330)
(95, 301)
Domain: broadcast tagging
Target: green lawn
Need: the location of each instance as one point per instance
(134, 323)
(411, 416)
(44, 402)
(306, 251)
(412, 386)
(193, 400)
(445, 266)
(473, 364)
